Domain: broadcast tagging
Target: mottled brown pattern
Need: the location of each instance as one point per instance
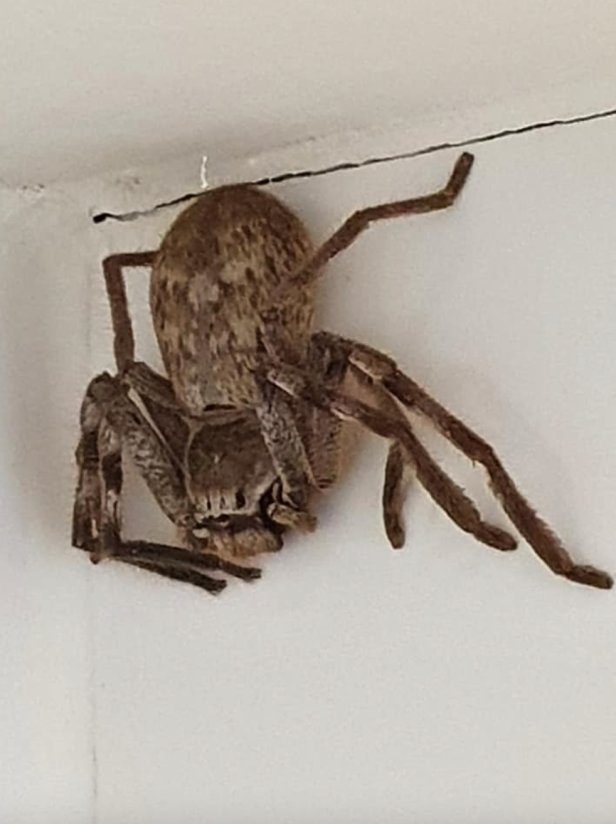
(215, 276)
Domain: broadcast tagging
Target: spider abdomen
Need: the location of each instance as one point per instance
(217, 274)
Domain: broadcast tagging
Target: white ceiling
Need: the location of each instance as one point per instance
(88, 86)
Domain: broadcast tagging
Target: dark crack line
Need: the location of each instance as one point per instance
(125, 217)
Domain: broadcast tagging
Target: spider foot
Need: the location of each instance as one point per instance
(590, 575)
(395, 533)
(244, 573)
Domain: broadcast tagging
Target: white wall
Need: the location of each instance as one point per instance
(444, 683)
(91, 86)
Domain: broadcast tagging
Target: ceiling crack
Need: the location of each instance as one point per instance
(371, 161)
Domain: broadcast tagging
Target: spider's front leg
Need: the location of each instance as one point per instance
(109, 420)
(283, 439)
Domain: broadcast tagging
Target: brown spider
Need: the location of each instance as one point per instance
(249, 424)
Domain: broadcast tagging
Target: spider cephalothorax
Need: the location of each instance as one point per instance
(248, 425)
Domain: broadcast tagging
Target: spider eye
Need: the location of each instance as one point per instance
(240, 499)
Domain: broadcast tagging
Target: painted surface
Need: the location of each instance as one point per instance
(90, 86)
(442, 683)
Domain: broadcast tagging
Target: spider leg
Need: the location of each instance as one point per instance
(394, 490)
(108, 421)
(396, 468)
(96, 516)
(448, 495)
(157, 464)
(87, 504)
(284, 442)
(305, 443)
(362, 219)
(148, 554)
(539, 535)
(323, 434)
(124, 340)
(155, 393)
(322, 431)
(151, 385)
(154, 390)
